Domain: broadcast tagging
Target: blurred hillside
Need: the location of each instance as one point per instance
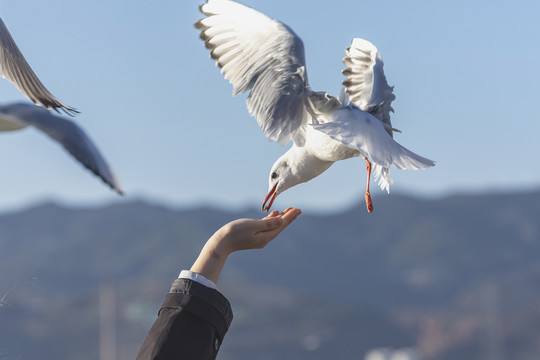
(457, 278)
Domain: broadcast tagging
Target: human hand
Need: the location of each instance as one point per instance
(241, 234)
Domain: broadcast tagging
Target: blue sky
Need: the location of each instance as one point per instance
(465, 74)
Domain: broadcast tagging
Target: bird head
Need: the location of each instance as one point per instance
(296, 166)
(280, 179)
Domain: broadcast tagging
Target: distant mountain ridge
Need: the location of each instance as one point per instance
(450, 276)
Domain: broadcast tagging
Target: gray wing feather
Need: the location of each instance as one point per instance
(366, 83)
(15, 68)
(68, 134)
(263, 56)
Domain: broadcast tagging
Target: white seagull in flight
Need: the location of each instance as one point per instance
(13, 67)
(264, 56)
(20, 115)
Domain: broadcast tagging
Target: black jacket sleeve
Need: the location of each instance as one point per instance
(191, 324)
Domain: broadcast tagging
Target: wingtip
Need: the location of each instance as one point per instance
(59, 107)
(68, 111)
(113, 184)
(362, 44)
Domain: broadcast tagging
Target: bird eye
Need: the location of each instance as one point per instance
(274, 175)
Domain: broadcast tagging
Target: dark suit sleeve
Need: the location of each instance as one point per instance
(191, 324)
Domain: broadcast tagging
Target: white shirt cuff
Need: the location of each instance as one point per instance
(186, 274)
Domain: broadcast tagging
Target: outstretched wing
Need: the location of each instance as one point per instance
(264, 56)
(68, 134)
(366, 83)
(13, 67)
(362, 131)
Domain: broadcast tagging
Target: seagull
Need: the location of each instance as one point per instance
(17, 116)
(13, 67)
(265, 57)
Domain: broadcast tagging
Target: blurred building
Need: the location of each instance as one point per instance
(392, 354)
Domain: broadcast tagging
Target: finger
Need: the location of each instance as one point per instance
(290, 216)
(272, 214)
(286, 210)
(268, 224)
(287, 219)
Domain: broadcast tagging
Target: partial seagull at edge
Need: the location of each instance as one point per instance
(17, 116)
(15, 68)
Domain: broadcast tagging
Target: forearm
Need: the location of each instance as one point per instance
(211, 259)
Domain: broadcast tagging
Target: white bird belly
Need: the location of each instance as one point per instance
(326, 148)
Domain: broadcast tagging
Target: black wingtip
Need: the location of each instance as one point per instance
(63, 109)
(70, 111)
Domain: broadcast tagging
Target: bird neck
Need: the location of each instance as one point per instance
(305, 165)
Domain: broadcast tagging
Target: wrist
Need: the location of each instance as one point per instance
(216, 252)
(220, 245)
(211, 259)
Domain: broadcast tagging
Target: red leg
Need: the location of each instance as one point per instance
(369, 203)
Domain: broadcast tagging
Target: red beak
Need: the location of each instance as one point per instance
(272, 194)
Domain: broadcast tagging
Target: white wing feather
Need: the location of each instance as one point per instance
(362, 131)
(382, 174)
(366, 83)
(265, 56)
